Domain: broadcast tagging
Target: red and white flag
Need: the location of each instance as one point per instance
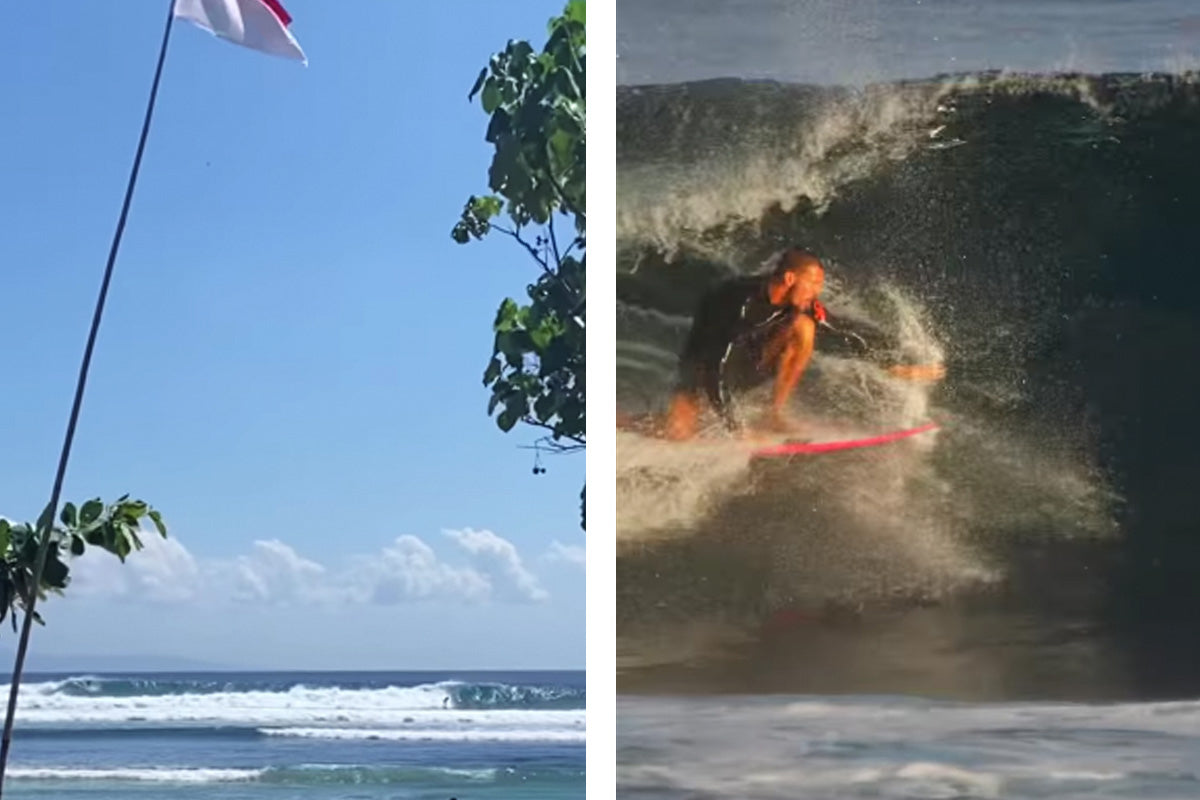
(258, 24)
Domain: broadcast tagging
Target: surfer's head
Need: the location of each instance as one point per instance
(798, 279)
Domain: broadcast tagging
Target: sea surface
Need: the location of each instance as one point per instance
(789, 748)
(322, 735)
(1008, 607)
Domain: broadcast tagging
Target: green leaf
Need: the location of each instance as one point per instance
(91, 511)
(542, 335)
(508, 418)
(491, 96)
(5, 537)
(519, 52)
(159, 525)
(544, 407)
(492, 372)
(576, 11)
(78, 546)
(508, 316)
(484, 208)
(68, 515)
(498, 127)
(478, 83)
(120, 544)
(55, 573)
(134, 508)
(497, 395)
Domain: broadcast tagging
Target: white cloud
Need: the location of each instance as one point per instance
(274, 572)
(569, 553)
(500, 562)
(163, 571)
(408, 570)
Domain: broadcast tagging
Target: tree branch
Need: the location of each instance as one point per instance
(554, 240)
(572, 245)
(537, 424)
(562, 196)
(532, 250)
(547, 444)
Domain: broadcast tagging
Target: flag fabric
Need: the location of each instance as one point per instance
(258, 24)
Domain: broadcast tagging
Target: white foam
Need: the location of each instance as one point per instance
(943, 780)
(425, 705)
(827, 747)
(843, 141)
(427, 735)
(666, 486)
(1086, 775)
(155, 775)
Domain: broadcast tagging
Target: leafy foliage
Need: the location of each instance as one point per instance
(536, 105)
(113, 528)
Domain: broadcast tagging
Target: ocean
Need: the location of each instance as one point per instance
(779, 748)
(332, 735)
(1006, 608)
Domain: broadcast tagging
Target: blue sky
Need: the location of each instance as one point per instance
(290, 361)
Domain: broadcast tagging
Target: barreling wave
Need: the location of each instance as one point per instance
(1033, 232)
(701, 163)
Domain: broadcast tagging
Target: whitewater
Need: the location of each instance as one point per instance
(331, 735)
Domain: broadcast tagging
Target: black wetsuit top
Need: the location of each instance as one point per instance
(724, 347)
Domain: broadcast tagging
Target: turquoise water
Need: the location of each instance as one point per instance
(347, 735)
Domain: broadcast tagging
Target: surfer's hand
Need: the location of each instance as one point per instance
(918, 372)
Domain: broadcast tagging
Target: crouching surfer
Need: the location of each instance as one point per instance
(754, 329)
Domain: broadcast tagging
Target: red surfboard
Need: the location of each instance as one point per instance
(796, 448)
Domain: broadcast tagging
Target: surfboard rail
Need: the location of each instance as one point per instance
(815, 448)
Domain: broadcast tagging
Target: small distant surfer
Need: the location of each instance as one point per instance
(750, 330)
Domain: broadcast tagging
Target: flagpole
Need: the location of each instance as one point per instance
(45, 524)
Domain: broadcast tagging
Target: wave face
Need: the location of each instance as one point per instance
(1035, 232)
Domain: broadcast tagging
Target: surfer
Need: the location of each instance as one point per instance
(751, 329)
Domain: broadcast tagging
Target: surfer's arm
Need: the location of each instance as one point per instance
(869, 344)
(918, 372)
